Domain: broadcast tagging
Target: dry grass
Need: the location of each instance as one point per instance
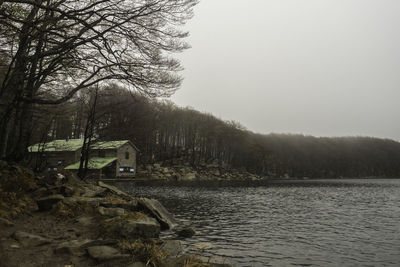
(193, 261)
(115, 200)
(147, 251)
(63, 210)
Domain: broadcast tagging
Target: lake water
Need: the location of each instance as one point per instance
(299, 223)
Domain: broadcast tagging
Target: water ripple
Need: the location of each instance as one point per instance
(326, 223)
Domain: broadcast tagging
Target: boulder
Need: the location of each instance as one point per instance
(90, 190)
(131, 205)
(114, 190)
(105, 253)
(111, 212)
(172, 247)
(156, 166)
(186, 232)
(95, 201)
(46, 203)
(158, 211)
(30, 240)
(145, 228)
(189, 176)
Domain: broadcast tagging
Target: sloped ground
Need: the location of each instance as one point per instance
(61, 221)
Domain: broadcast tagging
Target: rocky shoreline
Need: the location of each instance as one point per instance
(183, 171)
(63, 221)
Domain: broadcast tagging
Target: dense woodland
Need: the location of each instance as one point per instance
(65, 70)
(163, 132)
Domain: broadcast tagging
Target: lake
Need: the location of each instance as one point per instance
(292, 223)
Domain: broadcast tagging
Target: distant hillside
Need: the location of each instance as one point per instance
(163, 131)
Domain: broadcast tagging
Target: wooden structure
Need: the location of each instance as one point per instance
(106, 158)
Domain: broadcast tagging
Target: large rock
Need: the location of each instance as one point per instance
(115, 190)
(128, 205)
(74, 247)
(95, 201)
(46, 203)
(105, 253)
(158, 211)
(186, 232)
(111, 212)
(93, 191)
(189, 176)
(145, 227)
(30, 240)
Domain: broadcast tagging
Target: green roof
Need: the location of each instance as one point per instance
(74, 145)
(93, 164)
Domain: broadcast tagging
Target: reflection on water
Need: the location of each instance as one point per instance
(308, 223)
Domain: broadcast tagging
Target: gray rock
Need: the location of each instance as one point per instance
(93, 190)
(30, 240)
(96, 201)
(131, 205)
(111, 212)
(158, 211)
(156, 166)
(189, 176)
(177, 261)
(84, 220)
(145, 228)
(46, 203)
(186, 232)
(172, 247)
(114, 190)
(5, 222)
(215, 261)
(202, 246)
(74, 247)
(105, 253)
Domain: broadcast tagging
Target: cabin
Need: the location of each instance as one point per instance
(111, 159)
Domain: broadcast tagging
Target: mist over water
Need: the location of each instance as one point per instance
(318, 223)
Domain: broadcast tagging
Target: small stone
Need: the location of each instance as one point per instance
(6, 222)
(84, 220)
(27, 239)
(105, 253)
(186, 232)
(202, 246)
(46, 203)
(15, 246)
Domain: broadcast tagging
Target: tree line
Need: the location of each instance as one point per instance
(164, 132)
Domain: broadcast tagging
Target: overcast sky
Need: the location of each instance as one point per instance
(316, 67)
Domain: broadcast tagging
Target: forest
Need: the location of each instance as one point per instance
(163, 131)
(101, 70)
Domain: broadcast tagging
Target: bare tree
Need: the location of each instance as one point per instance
(54, 48)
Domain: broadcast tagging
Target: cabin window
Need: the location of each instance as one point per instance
(102, 153)
(126, 155)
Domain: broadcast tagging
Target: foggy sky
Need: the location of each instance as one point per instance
(315, 67)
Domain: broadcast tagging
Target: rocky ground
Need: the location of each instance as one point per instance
(63, 221)
(181, 170)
